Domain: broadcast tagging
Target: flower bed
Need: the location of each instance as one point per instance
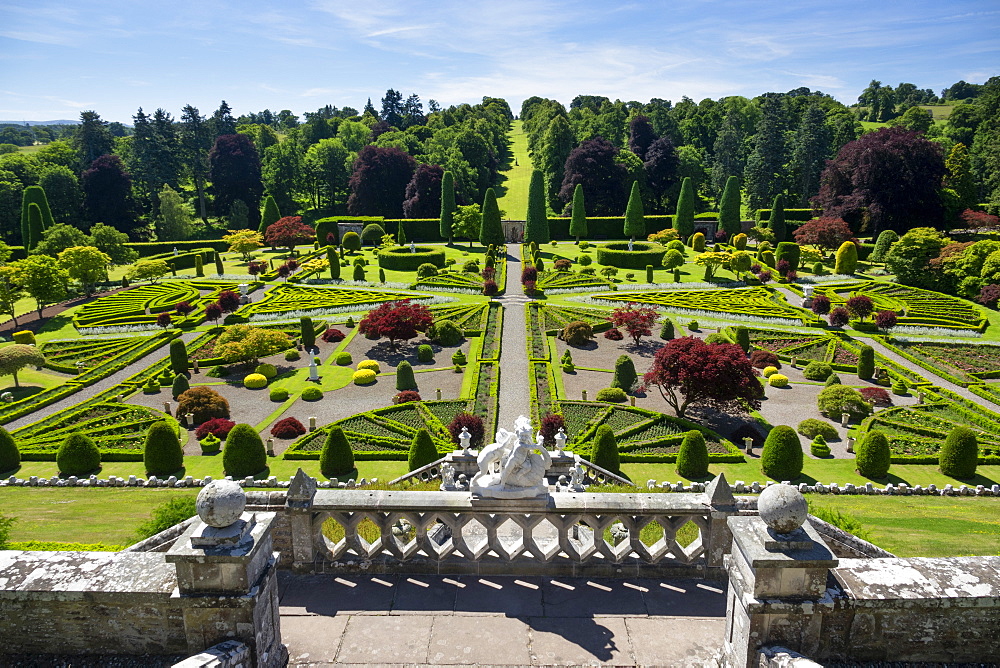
(565, 280)
(84, 354)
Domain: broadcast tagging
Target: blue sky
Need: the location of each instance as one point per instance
(58, 58)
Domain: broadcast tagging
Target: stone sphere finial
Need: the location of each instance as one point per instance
(783, 508)
(220, 503)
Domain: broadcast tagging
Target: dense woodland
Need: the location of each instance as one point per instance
(198, 174)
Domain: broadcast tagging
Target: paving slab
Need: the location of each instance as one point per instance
(371, 640)
(578, 597)
(564, 641)
(336, 595)
(669, 641)
(510, 596)
(301, 638)
(466, 640)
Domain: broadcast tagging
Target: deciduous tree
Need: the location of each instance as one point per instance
(378, 182)
(423, 193)
(400, 320)
(245, 242)
(636, 319)
(827, 233)
(107, 193)
(593, 165)
(16, 356)
(85, 264)
(235, 170)
(42, 278)
(289, 232)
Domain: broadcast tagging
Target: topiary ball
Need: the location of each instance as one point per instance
(445, 333)
(369, 364)
(769, 371)
(817, 371)
(78, 455)
(343, 358)
(578, 333)
(781, 458)
(362, 377)
(255, 381)
(777, 380)
(278, 394)
(312, 394)
(292, 355)
(425, 354)
(269, 371)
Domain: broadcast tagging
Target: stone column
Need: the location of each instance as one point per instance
(777, 575)
(227, 576)
(299, 502)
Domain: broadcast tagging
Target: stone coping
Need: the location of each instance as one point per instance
(921, 579)
(82, 574)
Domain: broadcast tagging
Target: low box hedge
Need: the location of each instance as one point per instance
(399, 258)
(618, 255)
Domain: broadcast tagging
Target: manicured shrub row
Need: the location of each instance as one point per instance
(400, 258)
(451, 279)
(565, 280)
(962, 364)
(618, 255)
(185, 259)
(82, 354)
(607, 227)
(754, 302)
(386, 433)
(829, 349)
(314, 260)
(301, 298)
(471, 318)
(555, 318)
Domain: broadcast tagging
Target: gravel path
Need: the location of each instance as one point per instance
(86, 393)
(515, 395)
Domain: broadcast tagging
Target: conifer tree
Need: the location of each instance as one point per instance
(765, 166)
(605, 450)
(635, 216)
(959, 177)
(219, 268)
(336, 458)
(447, 206)
(161, 452)
(729, 208)
(692, 458)
(35, 227)
(578, 223)
(178, 356)
(684, 218)
(334, 260)
(34, 195)
(422, 450)
(269, 215)
(536, 225)
(776, 223)
(490, 228)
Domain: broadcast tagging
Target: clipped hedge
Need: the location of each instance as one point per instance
(399, 258)
(618, 255)
(607, 227)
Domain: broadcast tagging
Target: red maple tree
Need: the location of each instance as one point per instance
(213, 311)
(689, 372)
(183, 308)
(827, 233)
(287, 232)
(396, 321)
(885, 320)
(229, 301)
(860, 306)
(821, 305)
(635, 319)
(163, 320)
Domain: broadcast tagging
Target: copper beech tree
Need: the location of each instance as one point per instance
(689, 372)
(396, 321)
(288, 232)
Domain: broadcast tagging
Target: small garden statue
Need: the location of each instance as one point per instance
(313, 373)
(447, 477)
(513, 467)
(576, 477)
(413, 247)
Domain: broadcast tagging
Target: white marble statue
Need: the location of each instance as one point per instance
(514, 466)
(447, 476)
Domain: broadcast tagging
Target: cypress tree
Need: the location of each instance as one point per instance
(270, 214)
(729, 208)
(536, 225)
(866, 362)
(307, 332)
(78, 455)
(34, 195)
(336, 458)
(35, 227)
(400, 234)
(635, 216)
(872, 455)
(684, 218)
(422, 450)
(776, 223)
(781, 458)
(490, 229)
(958, 458)
(605, 450)
(692, 458)
(219, 269)
(578, 223)
(625, 375)
(244, 452)
(199, 266)
(404, 377)
(162, 453)
(448, 207)
(334, 261)
(178, 356)
(179, 386)
(10, 456)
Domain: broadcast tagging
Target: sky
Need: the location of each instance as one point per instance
(60, 58)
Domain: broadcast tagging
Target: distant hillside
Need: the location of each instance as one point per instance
(64, 122)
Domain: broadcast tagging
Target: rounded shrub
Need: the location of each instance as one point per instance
(405, 396)
(470, 421)
(363, 377)
(369, 364)
(458, 357)
(210, 444)
(445, 333)
(288, 427)
(625, 375)
(343, 358)
(872, 455)
(205, 403)
(162, 454)
(698, 242)
(667, 329)
(834, 379)
(359, 273)
(404, 376)
(292, 355)
(617, 254)
(604, 452)
(278, 394)
(781, 458)
(769, 371)
(269, 371)
(959, 455)
(777, 380)
(584, 260)
(692, 458)
(372, 232)
(817, 371)
(336, 458)
(179, 386)
(760, 359)
(351, 241)
(818, 447)
(218, 427)
(78, 455)
(312, 393)
(422, 450)
(244, 454)
(847, 258)
(255, 381)
(332, 335)
(676, 245)
(577, 333)
(614, 334)
(717, 337)
(811, 428)
(425, 354)
(866, 362)
(10, 456)
(835, 400)
(899, 387)
(426, 270)
(614, 395)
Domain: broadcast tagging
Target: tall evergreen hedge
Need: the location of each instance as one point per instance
(692, 458)
(743, 338)
(404, 377)
(781, 458)
(490, 229)
(10, 456)
(448, 206)
(684, 218)
(78, 455)
(270, 215)
(422, 450)
(307, 332)
(958, 458)
(244, 453)
(34, 195)
(162, 453)
(729, 208)
(776, 223)
(871, 455)
(536, 224)
(635, 215)
(35, 225)
(604, 452)
(625, 375)
(336, 458)
(578, 221)
(178, 356)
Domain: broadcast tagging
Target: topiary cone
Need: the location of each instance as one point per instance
(625, 375)
(692, 458)
(404, 377)
(162, 453)
(605, 450)
(244, 454)
(336, 458)
(781, 458)
(422, 450)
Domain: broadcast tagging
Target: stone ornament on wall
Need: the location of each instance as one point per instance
(513, 467)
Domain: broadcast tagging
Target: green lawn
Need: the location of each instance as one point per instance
(514, 200)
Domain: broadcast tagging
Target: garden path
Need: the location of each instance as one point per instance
(100, 386)
(792, 298)
(514, 388)
(938, 380)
